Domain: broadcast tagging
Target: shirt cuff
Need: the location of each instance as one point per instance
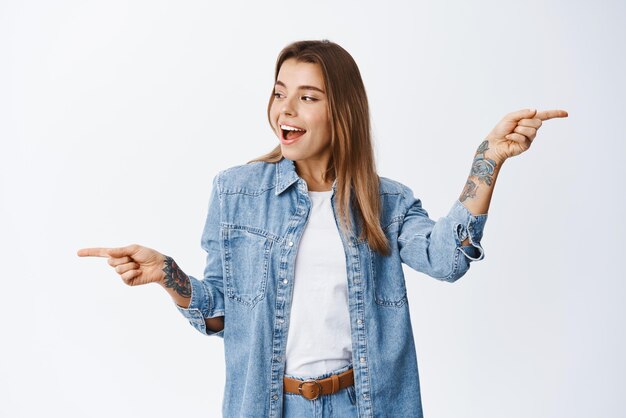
(198, 306)
(468, 225)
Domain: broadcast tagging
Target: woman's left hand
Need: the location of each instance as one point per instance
(515, 132)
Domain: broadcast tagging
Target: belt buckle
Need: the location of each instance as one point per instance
(319, 386)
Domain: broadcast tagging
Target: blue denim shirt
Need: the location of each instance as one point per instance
(257, 214)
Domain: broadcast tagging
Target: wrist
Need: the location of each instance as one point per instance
(163, 263)
(175, 280)
(487, 149)
(497, 159)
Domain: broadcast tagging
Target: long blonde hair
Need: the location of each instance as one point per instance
(352, 155)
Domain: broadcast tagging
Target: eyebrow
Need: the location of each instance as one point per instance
(280, 83)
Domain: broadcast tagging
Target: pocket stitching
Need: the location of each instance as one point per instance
(377, 297)
(267, 245)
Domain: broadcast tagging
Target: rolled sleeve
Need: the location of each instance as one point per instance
(200, 307)
(469, 226)
(435, 248)
(207, 295)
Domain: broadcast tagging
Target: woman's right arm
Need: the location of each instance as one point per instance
(139, 265)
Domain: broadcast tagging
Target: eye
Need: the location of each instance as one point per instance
(276, 95)
(313, 99)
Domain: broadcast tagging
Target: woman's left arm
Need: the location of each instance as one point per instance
(512, 135)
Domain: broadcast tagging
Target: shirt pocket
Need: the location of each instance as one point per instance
(387, 273)
(246, 257)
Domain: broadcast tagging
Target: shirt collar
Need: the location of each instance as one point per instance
(286, 175)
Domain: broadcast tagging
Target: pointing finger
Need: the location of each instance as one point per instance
(93, 252)
(549, 114)
(520, 114)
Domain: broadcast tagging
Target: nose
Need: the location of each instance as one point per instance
(287, 108)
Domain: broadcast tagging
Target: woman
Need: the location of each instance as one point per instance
(326, 333)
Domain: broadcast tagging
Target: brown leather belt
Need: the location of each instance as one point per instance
(312, 389)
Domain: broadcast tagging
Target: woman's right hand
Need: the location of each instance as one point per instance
(134, 263)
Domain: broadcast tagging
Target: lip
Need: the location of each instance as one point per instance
(289, 141)
(284, 141)
(285, 123)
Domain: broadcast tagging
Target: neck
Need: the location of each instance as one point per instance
(313, 172)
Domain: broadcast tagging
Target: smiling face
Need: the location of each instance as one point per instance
(301, 102)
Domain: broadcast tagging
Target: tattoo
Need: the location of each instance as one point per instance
(482, 167)
(176, 279)
(484, 146)
(469, 190)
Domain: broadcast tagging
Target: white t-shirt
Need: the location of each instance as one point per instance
(319, 339)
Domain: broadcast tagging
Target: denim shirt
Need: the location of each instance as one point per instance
(257, 214)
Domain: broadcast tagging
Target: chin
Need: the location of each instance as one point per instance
(288, 152)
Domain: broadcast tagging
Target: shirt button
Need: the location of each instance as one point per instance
(357, 281)
(362, 359)
(277, 358)
(285, 281)
(358, 321)
(280, 321)
(291, 243)
(275, 397)
(365, 396)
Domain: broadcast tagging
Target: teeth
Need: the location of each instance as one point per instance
(290, 128)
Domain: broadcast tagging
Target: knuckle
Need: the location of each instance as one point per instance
(131, 275)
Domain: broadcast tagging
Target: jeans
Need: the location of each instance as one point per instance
(339, 404)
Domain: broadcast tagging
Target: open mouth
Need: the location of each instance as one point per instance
(292, 133)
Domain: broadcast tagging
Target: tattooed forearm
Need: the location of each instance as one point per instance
(482, 167)
(175, 278)
(484, 146)
(469, 190)
(476, 194)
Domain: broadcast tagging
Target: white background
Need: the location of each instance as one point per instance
(116, 115)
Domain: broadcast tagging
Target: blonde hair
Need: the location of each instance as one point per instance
(352, 155)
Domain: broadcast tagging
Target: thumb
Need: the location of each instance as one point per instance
(119, 252)
(521, 114)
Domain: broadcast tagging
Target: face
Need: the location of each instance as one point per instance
(300, 102)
